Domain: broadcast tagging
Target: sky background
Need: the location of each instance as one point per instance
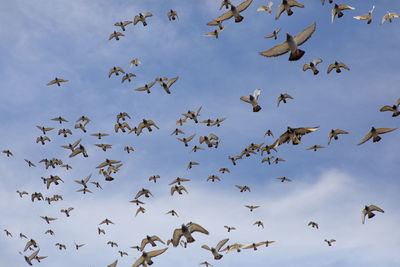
(45, 39)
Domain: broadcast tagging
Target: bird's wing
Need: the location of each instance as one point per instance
(288, 96)
(190, 137)
(139, 261)
(384, 130)
(245, 99)
(147, 14)
(225, 16)
(176, 237)
(262, 8)
(244, 5)
(375, 208)
(306, 67)
(366, 138)
(333, 14)
(346, 7)
(276, 50)
(281, 8)
(305, 34)
(317, 61)
(52, 82)
(269, 36)
(143, 244)
(156, 252)
(338, 131)
(206, 247)
(384, 108)
(221, 244)
(172, 81)
(136, 20)
(330, 68)
(361, 17)
(294, 3)
(305, 130)
(257, 93)
(343, 66)
(194, 227)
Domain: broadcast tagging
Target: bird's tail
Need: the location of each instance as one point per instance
(296, 55)
(256, 108)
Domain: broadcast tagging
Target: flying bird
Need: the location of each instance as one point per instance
(273, 34)
(115, 35)
(283, 98)
(266, 8)
(186, 230)
(172, 15)
(312, 66)
(57, 81)
(337, 9)
(253, 100)
(142, 17)
(337, 66)
(394, 108)
(367, 17)
(334, 134)
(368, 210)
(234, 12)
(291, 44)
(215, 250)
(286, 6)
(388, 16)
(146, 257)
(374, 134)
(123, 24)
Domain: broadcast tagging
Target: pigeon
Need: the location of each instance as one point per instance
(252, 99)
(337, 9)
(311, 65)
(374, 133)
(234, 12)
(142, 17)
(215, 250)
(186, 230)
(286, 6)
(368, 210)
(388, 16)
(291, 44)
(367, 17)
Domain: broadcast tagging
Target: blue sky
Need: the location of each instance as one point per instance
(69, 39)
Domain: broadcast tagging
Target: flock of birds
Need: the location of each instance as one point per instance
(183, 235)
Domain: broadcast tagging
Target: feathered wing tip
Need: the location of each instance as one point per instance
(297, 55)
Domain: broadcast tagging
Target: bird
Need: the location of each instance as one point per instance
(294, 135)
(121, 126)
(229, 228)
(143, 192)
(266, 8)
(145, 124)
(77, 246)
(268, 159)
(8, 233)
(315, 147)
(84, 181)
(146, 87)
(115, 35)
(128, 149)
(213, 178)
(337, 66)
(72, 146)
(251, 207)
(179, 180)
(178, 189)
(259, 223)
(313, 224)
(192, 115)
(44, 129)
(334, 134)
(232, 247)
(112, 244)
(286, 6)
(67, 211)
(30, 164)
(137, 202)
(268, 242)
(291, 44)
(208, 139)
(135, 62)
(330, 241)
(195, 148)
(218, 122)
(394, 108)
(21, 194)
(388, 17)
(234, 159)
(368, 210)
(57, 81)
(253, 100)
(186, 140)
(142, 17)
(374, 134)
(115, 70)
(337, 9)
(311, 65)
(276, 160)
(97, 184)
(128, 77)
(283, 179)
(273, 34)
(186, 230)
(223, 170)
(215, 33)
(101, 231)
(122, 253)
(244, 188)
(104, 147)
(99, 135)
(215, 250)
(150, 240)
(172, 15)
(123, 24)
(31, 257)
(269, 133)
(106, 221)
(48, 219)
(167, 85)
(177, 131)
(64, 132)
(234, 12)
(154, 178)
(173, 213)
(191, 164)
(367, 17)
(59, 119)
(146, 257)
(81, 126)
(225, 3)
(283, 98)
